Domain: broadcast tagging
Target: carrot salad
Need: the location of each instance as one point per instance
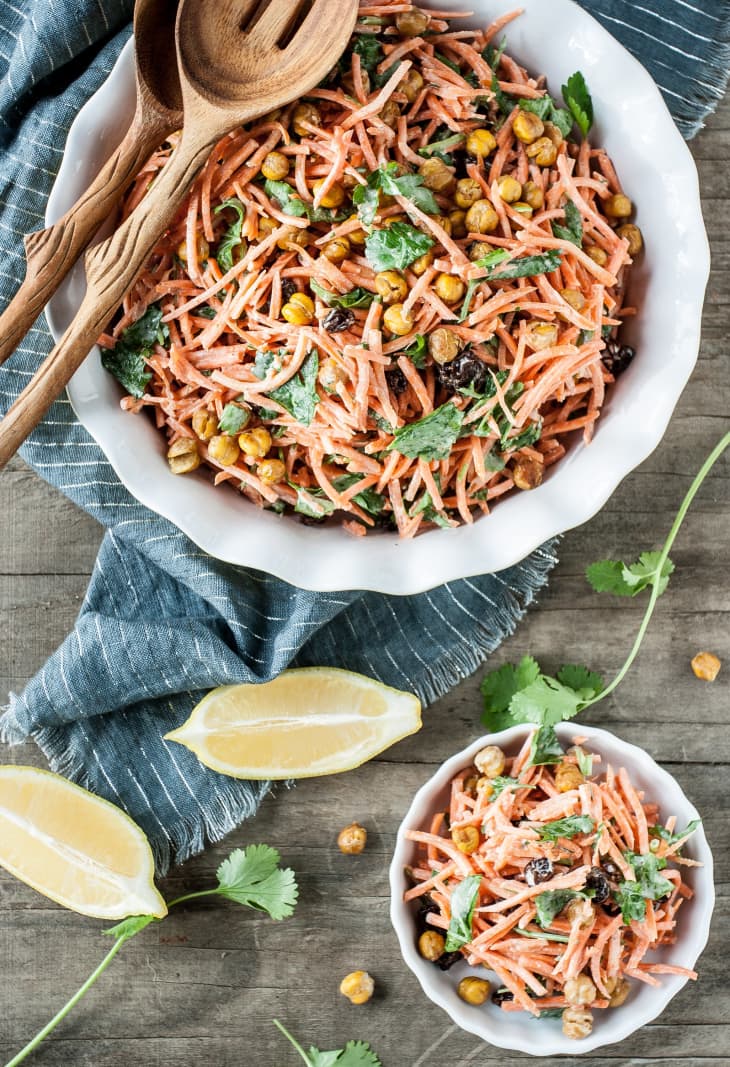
(554, 878)
(394, 300)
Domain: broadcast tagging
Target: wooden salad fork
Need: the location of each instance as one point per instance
(237, 60)
(51, 253)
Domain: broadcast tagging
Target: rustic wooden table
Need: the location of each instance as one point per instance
(204, 988)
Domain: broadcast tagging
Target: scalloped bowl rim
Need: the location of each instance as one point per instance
(636, 414)
(646, 1002)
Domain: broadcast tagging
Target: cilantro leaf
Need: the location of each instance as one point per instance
(233, 419)
(528, 267)
(586, 683)
(630, 899)
(551, 903)
(649, 885)
(576, 96)
(369, 499)
(573, 229)
(568, 827)
(523, 439)
(505, 103)
(396, 247)
(499, 686)
(408, 185)
(353, 298)
(493, 56)
(501, 782)
(545, 747)
(545, 701)
(127, 360)
(232, 238)
(488, 261)
(129, 927)
(354, 1054)
(312, 504)
(366, 199)
(463, 902)
(547, 110)
(292, 204)
(430, 438)
(442, 147)
(299, 395)
(252, 876)
(370, 50)
(416, 351)
(614, 576)
(430, 514)
(669, 836)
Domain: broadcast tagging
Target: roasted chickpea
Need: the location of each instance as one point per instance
(271, 471)
(334, 196)
(485, 785)
(305, 113)
(618, 206)
(468, 191)
(201, 247)
(619, 989)
(356, 237)
(358, 987)
(540, 335)
(577, 1022)
(411, 23)
(457, 219)
(706, 666)
(481, 217)
(533, 195)
(579, 991)
(568, 776)
(396, 321)
(509, 189)
(523, 208)
(331, 373)
(444, 222)
(479, 249)
(527, 473)
(633, 235)
(266, 226)
(574, 297)
(450, 288)
(183, 456)
(336, 250)
(275, 166)
(443, 345)
(205, 424)
(255, 443)
(421, 265)
(390, 113)
(437, 176)
(554, 134)
(480, 142)
(527, 126)
(543, 151)
(293, 237)
(431, 945)
(474, 990)
(299, 310)
(348, 83)
(598, 255)
(580, 912)
(411, 85)
(466, 838)
(224, 450)
(391, 286)
(489, 761)
(352, 839)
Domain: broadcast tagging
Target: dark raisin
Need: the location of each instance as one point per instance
(616, 357)
(448, 960)
(397, 381)
(611, 907)
(467, 369)
(598, 882)
(337, 320)
(288, 289)
(611, 871)
(539, 870)
(501, 995)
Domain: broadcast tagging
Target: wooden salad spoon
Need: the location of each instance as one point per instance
(237, 59)
(51, 253)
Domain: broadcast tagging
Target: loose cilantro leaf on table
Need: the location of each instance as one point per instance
(550, 903)
(127, 360)
(576, 96)
(463, 902)
(432, 437)
(546, 109)
(299, 395)
(672, 837)
(353, 298)
(396, 247)
(573, 229)
(232, 238)
(499, 686)
(568, 827)
(252, 876)
(233, 419)
(354, 1054)
(614, 576)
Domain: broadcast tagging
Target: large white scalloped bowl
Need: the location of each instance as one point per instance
(516, 1030)
(668, 286)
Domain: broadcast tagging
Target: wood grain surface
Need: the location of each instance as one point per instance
(203, 989)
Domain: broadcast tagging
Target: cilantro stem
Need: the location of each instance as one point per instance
(193, 896)
(288, 1036)
(655, 585)
(70, 1005)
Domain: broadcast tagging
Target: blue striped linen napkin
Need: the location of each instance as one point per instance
(161, 621)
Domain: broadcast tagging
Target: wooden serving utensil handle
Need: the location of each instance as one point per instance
(51, 253)
(111, 269)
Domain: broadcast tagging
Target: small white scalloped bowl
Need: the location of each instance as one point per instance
(668, 284)
(518, 1031)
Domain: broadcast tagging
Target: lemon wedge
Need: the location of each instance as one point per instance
(308, 722)
(74, 847)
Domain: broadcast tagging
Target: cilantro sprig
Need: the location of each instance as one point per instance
(250, 876)
(385, 179)
(579, 102)
(354, 1054)
(522, 693)
(127, 361)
